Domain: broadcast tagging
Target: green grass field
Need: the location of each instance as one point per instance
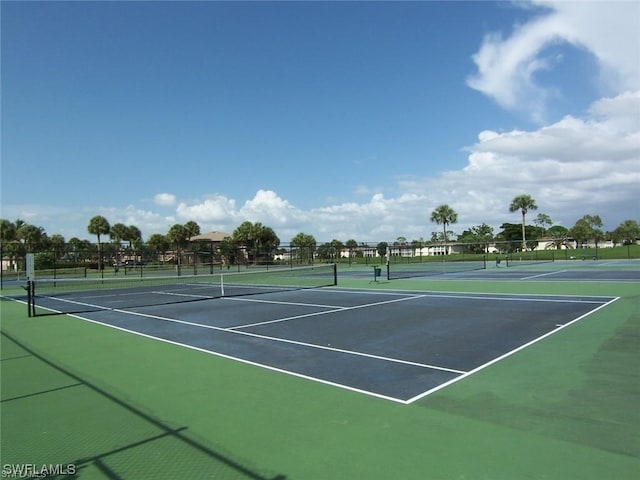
(116, 405)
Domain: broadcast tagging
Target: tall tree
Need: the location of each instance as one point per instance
(228, 251)
(444, 215)
(477, 238)
(192, 229)
(118, 233)
(628, 231)
(158, 242)
(79, 249)
(256, 237)
(245, 235)
(99, 226)
(336, 249)
(417, 245)
(542, 220)
(7, 231)
(9, 242)
(30, 235)
(57, 243)
(133, 236)
(588, 227)
(177, 235)
(524, 203)
(512, 233)
(382, 248)
(305, 245)
(269, 241)
(559, 236)
(325, 251)
(352, 245)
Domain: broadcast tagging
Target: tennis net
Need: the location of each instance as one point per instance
(73, 295)
(530, 258)
(439, 267)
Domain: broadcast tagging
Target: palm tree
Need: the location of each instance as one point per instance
(352, 245)
(134, 236)
(192, 229)
(256, 239)
(305, 245)
(30, 235)
(158, 243)
(9, 241)
(7, 231)
(524, 203)
(57, 243)
(99, 225)
(177, 235)
(444, 215)
(118, 233)
(559, 236)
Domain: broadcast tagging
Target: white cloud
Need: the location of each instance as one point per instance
(607, 30)
(621, 113)
(147, 221)
(215, 208)
(267, 207)
(165, 199)
(573, 167)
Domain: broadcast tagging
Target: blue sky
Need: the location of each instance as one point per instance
(338, 119)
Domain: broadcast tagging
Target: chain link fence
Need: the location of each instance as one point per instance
(203, 257)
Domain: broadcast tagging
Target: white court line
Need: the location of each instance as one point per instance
(188, 295)
(510, 297)
(340, 309)
(228, 357)
(239, 359)
(266, 337)
(293, 342)
(299, 304)
(508, 354)
(74, 302)
(543, 275)
(461, 375)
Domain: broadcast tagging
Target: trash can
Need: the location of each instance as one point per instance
(377, 271)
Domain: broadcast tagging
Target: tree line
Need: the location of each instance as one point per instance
(586, 229)
(254, 239)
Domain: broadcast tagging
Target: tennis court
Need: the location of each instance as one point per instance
(398, 345)
(456, 375)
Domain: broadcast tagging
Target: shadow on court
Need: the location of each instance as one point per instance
(72, 421)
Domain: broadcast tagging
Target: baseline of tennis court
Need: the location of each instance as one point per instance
(396, 345)
(548, 273)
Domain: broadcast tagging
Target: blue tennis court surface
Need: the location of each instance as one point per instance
(551, 275)
(396, 345)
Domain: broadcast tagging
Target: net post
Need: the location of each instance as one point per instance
(30, 267)
(30, 300)
(28, 288)
(33, 298)
(335, 274)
